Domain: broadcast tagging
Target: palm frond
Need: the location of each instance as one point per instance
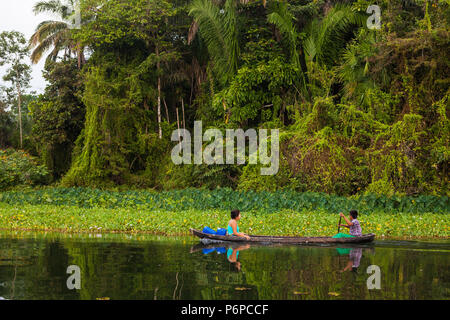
(218, 28)
(232, 35)
(353, 70)
(49, 33)
(283, 19)
(52, 33)
(329, 36)
(43, 47)
(46, 29)
(51, 6)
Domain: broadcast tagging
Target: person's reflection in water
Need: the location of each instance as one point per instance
(354, 260)
(233, 254)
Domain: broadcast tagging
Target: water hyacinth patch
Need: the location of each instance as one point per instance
(285, 222)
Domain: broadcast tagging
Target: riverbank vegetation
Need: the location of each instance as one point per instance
(285, 222)
(174, 212)
(360, 111)
(224, 199)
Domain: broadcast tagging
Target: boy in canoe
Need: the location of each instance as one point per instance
(233, 228)
(352, 224)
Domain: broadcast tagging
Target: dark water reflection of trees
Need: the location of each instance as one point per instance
(33, 266)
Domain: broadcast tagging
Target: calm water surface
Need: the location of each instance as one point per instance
(34, 266)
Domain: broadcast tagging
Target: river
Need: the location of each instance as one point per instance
(121, 266)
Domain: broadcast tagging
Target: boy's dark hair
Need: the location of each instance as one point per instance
(354, 214)
(235, 214)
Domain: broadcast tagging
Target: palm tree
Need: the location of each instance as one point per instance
(354, 69)
(220, 31)
(325, 39)
(284, 20)
(55, 34)
(328, 37)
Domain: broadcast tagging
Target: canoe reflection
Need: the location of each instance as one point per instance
(353, 251)
(232, 252)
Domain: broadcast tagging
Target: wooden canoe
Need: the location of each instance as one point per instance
(214, 244)
(288, 240)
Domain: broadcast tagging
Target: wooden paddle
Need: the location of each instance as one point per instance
(339, 229)
(339, 226)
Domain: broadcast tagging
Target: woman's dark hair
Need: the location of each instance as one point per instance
(235, 214)
(235, 266)
(354, 214)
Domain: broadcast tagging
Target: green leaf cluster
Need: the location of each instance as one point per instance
(19, 168)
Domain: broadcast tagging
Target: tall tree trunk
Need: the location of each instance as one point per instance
(79, 58)
(158, 66)
(146, 109)
(178, 123)
(167, 111)
(184, 119)
(19, 94)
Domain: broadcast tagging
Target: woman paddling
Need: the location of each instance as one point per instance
(352, 224)
(233, 228)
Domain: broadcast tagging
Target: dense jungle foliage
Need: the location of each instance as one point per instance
(360, 110)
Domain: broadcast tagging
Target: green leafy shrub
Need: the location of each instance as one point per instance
(198, 176)
(19, 168)
(226, 199)
(251, 179)
(254, 89)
